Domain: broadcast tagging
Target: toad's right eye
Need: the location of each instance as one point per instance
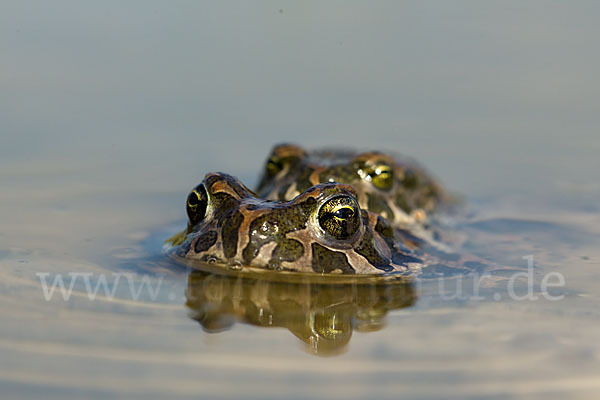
(340, 217)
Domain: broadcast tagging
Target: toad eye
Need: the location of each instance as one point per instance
(274, 166)
(196, 204)
(340, 217)
(382, 176)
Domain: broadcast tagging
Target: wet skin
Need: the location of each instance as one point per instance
(322, 230)
(396, 189)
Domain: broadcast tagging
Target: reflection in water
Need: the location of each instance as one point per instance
(323, 315)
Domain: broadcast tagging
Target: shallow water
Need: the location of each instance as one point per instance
(111, 112)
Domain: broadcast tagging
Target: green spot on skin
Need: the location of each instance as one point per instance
(411, 180)
(273, 166)
(287, 250)
(366, 248)
(339, 173)
(384, 228)
(223, 203)
(379, 206)
(273, 227)
(229, 234)
(402, 202)
(205, 241)
(326, 261)
(282, 191)
(303, 181)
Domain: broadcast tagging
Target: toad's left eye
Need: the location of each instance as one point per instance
(196, 204)
(274, 166)
(340, 217)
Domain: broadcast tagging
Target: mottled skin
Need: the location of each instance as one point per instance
(322, 230)
(396, 189)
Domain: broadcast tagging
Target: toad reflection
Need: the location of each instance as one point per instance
(322, 316)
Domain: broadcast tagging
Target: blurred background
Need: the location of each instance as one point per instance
(486, 94)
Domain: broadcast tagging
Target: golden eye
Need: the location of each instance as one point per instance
(382, 176)
(274, 166)
(340, 217)
(196, 204)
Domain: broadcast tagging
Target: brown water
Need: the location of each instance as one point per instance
(111, 112)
